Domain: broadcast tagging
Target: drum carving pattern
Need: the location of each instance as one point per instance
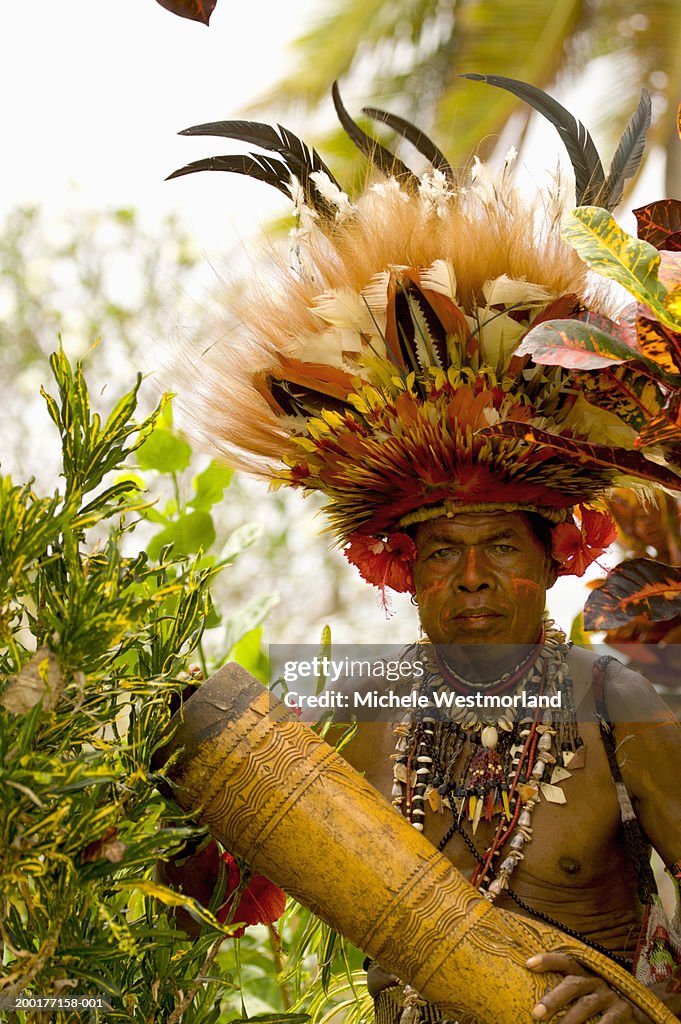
(273, 792)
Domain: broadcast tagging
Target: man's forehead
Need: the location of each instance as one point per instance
(468, 524)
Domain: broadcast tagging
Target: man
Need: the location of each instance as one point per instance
(481, 581)
(391, 371)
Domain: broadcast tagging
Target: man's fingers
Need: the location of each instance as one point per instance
(596, 1003)
(561, 963)
(570, 988)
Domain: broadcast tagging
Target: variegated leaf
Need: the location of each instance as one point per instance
(659, 344)
(627, 462)
(672, 243)
(657, 221)
(624, 391)
(641, 586)
(610, 251)
(576, 345)
(661, 432)
(195, 10)
(651, 648)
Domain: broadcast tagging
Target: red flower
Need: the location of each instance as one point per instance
(261, 902)
(384, 563)
(576, 549)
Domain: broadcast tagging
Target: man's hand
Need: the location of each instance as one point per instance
(586, 995)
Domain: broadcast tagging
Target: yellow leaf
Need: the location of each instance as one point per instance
(673, 301)
(176, 899)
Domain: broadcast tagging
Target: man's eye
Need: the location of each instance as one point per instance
(441, 553)
(504, 549)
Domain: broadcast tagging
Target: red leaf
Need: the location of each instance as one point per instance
(641, 586)
(672, 243)
(658, 220)
(576, 344)
(195, 10)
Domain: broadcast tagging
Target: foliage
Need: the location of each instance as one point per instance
(95, 651)
(639, 586)
(639, 603)
(96, 648)
(94, 273)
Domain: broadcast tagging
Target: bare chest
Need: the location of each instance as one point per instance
(576, 843)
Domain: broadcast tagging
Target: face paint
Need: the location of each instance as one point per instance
(481, 578)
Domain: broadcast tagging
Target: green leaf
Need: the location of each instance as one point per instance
(193, 532)
(210, 485)
(578, 634)
(248, 618)
(164, 451)
(248, 653)
(243, 537)
(611, 252)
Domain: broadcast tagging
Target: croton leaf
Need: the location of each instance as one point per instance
(651, 648)
(628, 462)
(576, 345)
(195, 10)
(600, 241)
(672, 243)
(641, 586)
(659, 344)
(662, 432)
(624, 391)
(657, 221)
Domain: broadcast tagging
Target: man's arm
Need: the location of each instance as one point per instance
(648, 750)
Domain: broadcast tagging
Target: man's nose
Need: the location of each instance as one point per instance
(475, 574)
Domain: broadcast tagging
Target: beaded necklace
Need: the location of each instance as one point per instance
(511, 753)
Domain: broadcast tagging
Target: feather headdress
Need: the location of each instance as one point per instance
(388, 369)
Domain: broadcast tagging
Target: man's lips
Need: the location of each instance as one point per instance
(477, 613)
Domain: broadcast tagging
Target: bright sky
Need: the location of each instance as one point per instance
(95, 93)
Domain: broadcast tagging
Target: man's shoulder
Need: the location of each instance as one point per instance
(629, 695)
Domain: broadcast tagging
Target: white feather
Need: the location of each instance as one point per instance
(440, 277)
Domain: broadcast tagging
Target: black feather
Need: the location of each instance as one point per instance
(589, 173)
(297, 400)
(382, 158)
(300, 160)
(264, 168)
(418, 139)
(628, 155)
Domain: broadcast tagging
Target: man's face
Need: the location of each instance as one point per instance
(481, 578)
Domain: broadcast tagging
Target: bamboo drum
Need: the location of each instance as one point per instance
(274, 793)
